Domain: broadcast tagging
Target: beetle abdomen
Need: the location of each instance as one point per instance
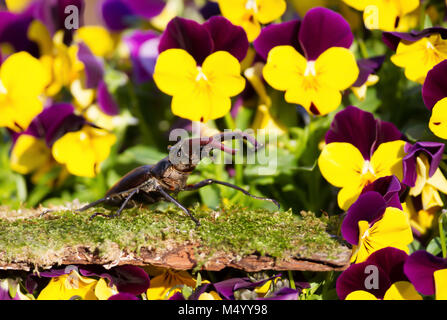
(133, 179)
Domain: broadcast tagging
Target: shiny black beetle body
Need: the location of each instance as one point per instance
(149, 184)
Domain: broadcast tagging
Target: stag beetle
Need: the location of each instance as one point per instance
(149, 184)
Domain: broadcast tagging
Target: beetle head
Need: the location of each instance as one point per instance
(186, 154)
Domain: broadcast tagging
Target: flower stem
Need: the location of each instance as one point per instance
(291, 280)
(442, 233)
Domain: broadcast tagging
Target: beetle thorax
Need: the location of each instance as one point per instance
(174, 179)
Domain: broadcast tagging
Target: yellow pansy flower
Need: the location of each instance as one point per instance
(83, 151)
(162, 286)
(420, 57)
(23, 79)
(392, 230)
(250, 14)
(343, 166)
(384, 14)
(316, 85)
(200, 93)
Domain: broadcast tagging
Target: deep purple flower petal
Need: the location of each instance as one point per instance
(188, 35)
(146, 8)
(322, 29)
(123, 296)
(280, 34)
(391, 261)
(435, 85)
(94, 67)
(389, 187)
(359, 128)
(143, 47)
(115, 14)
(14, 31)
(370, 206)
(177, 296)
(227, 37)
(226, 288)
(419, 269)
(388, 262)
(433, 151)
(392, 39)
(55, 121)
(368, 67)
(127, 279)
(283, 294)
(106, 102)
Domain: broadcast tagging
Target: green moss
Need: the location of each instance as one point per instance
(234, 231)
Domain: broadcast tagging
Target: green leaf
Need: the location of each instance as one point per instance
(434, 246)
(210, 196)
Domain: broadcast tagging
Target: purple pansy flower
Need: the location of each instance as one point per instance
(392, 39)
(319, 30)
(390, 265)
(359, 128)
(433, 151)
(419, 269)
(143, 47)
(117, 14)
(201, 40)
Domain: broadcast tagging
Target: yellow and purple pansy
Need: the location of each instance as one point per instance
(359, 149)
(310, 59)
(91, 283)
(387, 283)
(422, 174)
(199, 66)
(428, 274)
(417, 52)
(434, 93)
(376, 221)
(367, 76)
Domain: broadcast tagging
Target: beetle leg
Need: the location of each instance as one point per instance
(208, 182)
(118, 212)
(168, 197)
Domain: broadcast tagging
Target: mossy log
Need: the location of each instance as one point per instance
(242, 238)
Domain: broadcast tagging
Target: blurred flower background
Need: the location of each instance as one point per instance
(350, 95)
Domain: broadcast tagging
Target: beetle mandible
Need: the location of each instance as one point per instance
(149, 184)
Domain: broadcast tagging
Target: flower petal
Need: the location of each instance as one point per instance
(438, 119)
(280, 34)
(387, 159)
(284, 67)
(420, 267)
(175, 72)
(322, 29)
(341, 164)
(435, 85)
(188, 35)
(223, 73)
(227, 37)
(402, 290)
